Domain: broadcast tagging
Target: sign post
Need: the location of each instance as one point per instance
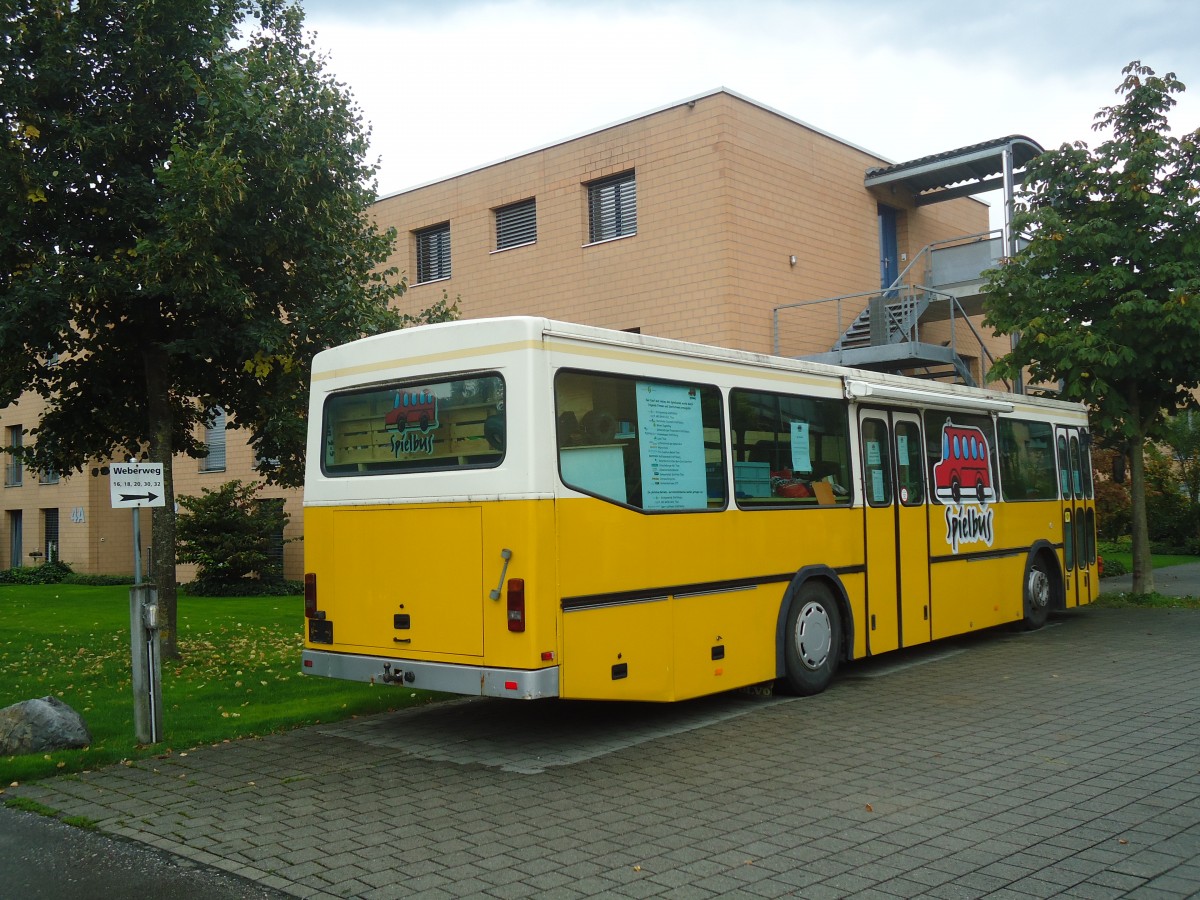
(134, 485)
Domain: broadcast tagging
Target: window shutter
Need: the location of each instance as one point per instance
(214, 439)
(612, 207)
(433, 253)
(516, 224)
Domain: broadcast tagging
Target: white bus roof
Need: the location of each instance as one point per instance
(384, 356)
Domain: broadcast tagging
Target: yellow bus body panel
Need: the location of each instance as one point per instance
(437, 565)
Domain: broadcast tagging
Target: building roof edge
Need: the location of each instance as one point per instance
(712, 92)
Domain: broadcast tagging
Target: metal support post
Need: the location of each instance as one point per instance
(147, 663)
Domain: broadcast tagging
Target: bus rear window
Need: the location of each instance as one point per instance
(451, 423)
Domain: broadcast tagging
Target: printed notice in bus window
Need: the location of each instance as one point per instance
(801, 460)
(671, 447)
(902, 449)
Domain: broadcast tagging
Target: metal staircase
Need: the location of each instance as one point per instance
(913, 326)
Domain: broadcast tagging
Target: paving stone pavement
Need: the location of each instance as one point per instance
(1061, 763)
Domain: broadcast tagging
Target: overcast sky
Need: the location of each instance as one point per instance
(450, 85)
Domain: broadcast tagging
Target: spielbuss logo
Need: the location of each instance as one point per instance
(963, 481)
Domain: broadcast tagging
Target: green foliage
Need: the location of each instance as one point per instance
(1106, 295)
(1112, 509)
(47, 573)
(1180, 433)
(98, 580)
(185, 234)
(240, 675)
(1151, 600)
(231, 534)
(185, 223)
(243, 588)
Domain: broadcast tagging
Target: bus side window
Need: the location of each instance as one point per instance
(791, 450)
(651, 445)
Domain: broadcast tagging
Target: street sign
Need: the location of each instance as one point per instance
(136, 484)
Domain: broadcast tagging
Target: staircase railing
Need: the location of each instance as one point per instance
(897, 313)
(807, 328)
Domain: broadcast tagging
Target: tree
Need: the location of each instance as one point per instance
(229, 534)
(1106, 295)
(185, 227)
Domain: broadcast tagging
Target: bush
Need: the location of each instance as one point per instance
(48, 573)
(1114, 566)
(1173, 521)
(98, 580)
(230, 534)
(243, 587)
(1113, 510)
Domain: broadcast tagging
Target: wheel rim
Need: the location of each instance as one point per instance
(814, 634)
(1038, 587)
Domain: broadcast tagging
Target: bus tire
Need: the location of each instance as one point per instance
(1037, 593)
(813, 641)
(956, 489)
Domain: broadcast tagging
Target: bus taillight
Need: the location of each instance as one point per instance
(516, 604)
(310, 595)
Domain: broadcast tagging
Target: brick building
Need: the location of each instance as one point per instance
(714, 220)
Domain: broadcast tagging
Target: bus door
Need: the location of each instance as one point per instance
(896, 529)
(1078, 515)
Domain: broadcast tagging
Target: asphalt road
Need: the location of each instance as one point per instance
(44, 859)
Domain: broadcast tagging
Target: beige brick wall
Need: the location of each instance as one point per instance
(94, 537)
(727, 192)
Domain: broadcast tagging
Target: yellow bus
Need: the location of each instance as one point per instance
(525, 508)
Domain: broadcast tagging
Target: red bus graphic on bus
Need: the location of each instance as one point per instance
(965, 466)
(416, 409)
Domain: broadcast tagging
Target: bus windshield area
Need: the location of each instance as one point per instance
(415, 426)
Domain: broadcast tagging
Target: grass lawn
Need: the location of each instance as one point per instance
(239, 675)
(1123, 554)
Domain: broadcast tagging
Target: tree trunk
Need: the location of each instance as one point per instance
(1143, 569)
(162, 449)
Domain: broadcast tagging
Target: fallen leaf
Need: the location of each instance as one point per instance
(870, 808)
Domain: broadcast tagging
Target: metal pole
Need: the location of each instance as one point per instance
(1010, 243)
(146, 663)
(144, 648)
(137, 545)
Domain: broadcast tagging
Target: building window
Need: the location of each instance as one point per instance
(50, 531)
(50, 476)
(516, 224)
(214, 440)
(14, 472)
(433, 253)
(612, 207)
(14, 537)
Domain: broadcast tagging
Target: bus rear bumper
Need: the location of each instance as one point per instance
(475, 681)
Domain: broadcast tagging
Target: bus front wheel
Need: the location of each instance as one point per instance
(813, 640)
(1038, 593)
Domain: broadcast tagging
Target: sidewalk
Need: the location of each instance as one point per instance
(1173, 581)
(1063, 762)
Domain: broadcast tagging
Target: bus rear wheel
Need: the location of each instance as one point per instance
(813, 640)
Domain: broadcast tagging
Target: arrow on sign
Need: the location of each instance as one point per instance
(149, 498)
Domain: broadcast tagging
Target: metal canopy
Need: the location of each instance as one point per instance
(957, 173)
